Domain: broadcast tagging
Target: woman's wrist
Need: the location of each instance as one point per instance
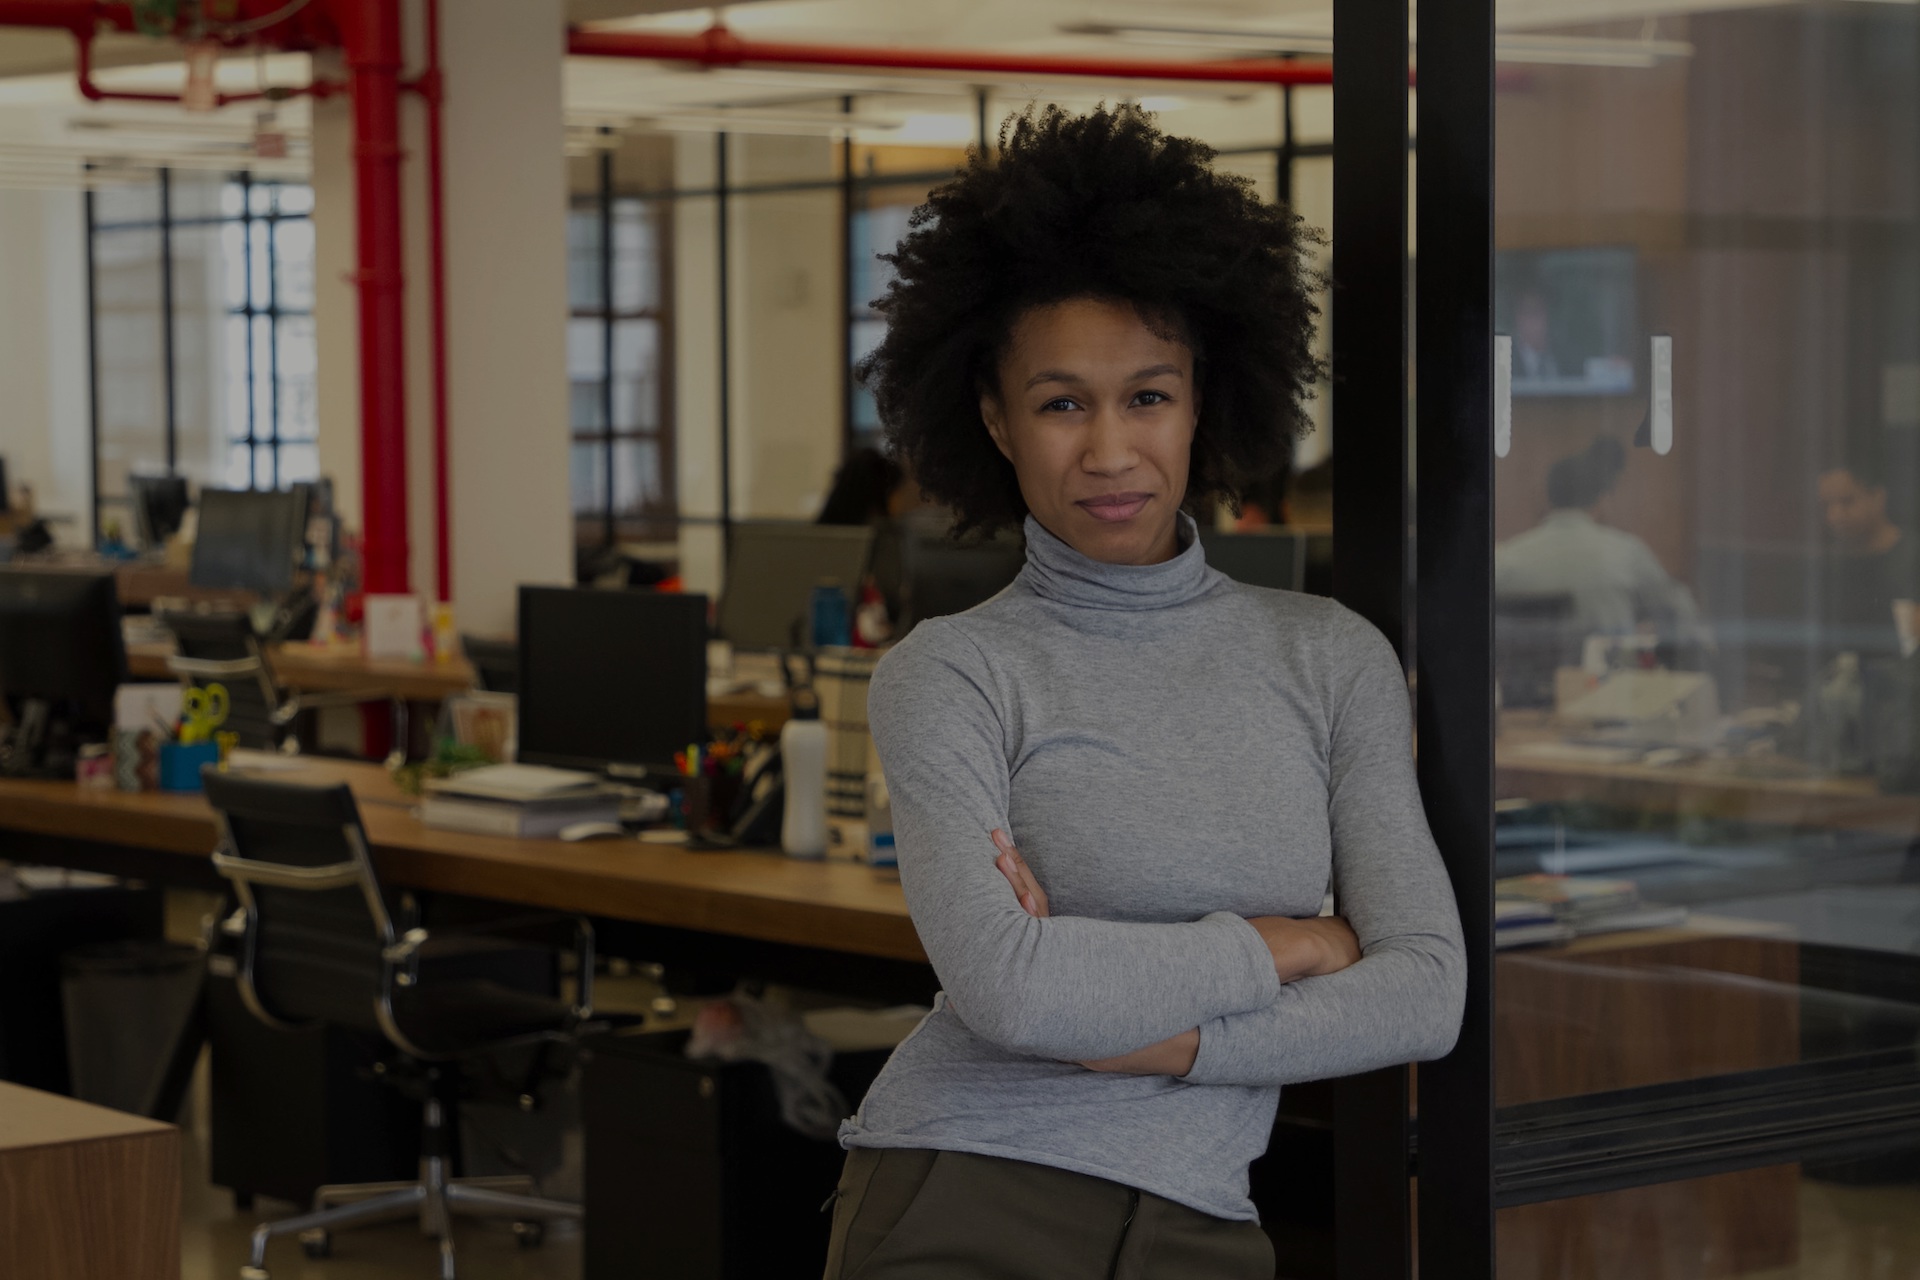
(1309, 948)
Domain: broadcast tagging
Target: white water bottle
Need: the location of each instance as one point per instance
(803, 759)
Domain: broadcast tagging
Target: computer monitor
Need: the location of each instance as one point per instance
(946, 577)
(159, 504)
(772, 569)
(61, 658)
(249, 539)
(613, 680)
(1275, 559)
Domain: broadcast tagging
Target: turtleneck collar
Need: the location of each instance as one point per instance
(1057, 572)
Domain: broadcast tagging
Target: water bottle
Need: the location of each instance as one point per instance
(831, 616)
(880, 852)
(803, 758)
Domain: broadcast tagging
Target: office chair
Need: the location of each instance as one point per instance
(222, 647)
(496, 663)
(1533, 637)
(318, 940)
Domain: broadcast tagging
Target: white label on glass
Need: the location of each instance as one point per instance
(1660, 411)
(1502, 394)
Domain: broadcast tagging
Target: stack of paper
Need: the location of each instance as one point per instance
(517, 800)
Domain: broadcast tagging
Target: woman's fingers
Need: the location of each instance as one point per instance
(1026, 888)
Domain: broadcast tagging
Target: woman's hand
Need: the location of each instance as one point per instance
(1171, 1057)
(1309, 948)
(1014, 867)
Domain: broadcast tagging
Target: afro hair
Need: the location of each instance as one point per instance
(1103, 205)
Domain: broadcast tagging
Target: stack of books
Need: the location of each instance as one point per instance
(517, 800)
(1533, 909)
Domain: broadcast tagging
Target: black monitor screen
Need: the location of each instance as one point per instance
(249, 539)
(159, 504)
(60, 640)
(947, 577)
(611, 677)
(772, 569)
(1276, 560)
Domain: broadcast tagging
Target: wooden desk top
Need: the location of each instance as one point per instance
(839, 906)
(311, 668)
(1763, 792)
(30, 1118)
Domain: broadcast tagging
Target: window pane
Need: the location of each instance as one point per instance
(239, 470)
(295, 199)
(589, 481)
(293, 247)
(636, 375)
(1707, 290)
(636, 256)
(129, 202)
(584, 291)
(127, 331)
(299, 417)
(636, 476)
(233, 265)
(299, 462)
(263, 368)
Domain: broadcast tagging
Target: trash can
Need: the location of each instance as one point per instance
(126, 1006)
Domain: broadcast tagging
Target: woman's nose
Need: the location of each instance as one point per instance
(1109, 444)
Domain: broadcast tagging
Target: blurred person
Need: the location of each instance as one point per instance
(1616, 581)
(1533, 358)
(1872, 566)
(869, 486)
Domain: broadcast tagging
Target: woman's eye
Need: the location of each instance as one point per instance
(1152, 398)
(1060, 404)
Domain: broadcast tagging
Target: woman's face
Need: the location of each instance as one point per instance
(1096, 412)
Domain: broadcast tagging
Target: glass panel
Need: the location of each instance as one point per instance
(637, 486)
(295, 200)
(636, 255)
(299, 415)
(263, 369)
(132, 377)
(1707, 268)
(589, 478)
(636, 375)
(584, 292)
(293, 263)
(129, 202)
(1831, 1219)
(299, 462)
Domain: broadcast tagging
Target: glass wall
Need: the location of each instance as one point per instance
(1707, 765)
(203, 353)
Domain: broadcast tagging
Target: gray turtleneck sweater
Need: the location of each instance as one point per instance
(1174, 753)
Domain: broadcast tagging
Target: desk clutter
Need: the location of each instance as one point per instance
(1533, 910)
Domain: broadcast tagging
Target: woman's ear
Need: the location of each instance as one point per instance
(994, 415)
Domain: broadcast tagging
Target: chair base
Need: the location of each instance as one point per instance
(434, 1198)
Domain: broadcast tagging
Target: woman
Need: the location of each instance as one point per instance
(1093, 331)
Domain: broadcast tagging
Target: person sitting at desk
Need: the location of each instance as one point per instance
(1873, 568)
(1184, 760)
(1614, 579)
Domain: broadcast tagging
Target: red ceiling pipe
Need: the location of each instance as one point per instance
(718, 46)
(370, 31)
(83, 68)
(430, 87)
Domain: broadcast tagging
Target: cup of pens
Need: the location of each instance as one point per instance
(195, 741)
(709, 780)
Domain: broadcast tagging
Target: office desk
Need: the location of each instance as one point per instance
(1710, 788)
(308, 668)
(86, 1192)
(840, 907)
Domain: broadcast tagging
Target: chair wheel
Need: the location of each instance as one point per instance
(317, 1243)
(530, 1235)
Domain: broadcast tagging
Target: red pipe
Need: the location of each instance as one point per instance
(371, 31)
(431, 87)
(83, 70)
(718, 46)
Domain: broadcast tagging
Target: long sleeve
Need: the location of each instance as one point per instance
(1069, 988)
(1402, 1001)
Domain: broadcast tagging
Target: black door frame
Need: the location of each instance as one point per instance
(1437, 496)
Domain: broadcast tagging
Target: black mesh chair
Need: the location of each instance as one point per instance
(318, 940)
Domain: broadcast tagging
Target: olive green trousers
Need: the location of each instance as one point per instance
(910, 1214)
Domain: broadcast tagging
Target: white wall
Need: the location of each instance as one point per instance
(44, 399)
(506, 309)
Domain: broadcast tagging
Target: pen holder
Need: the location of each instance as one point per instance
(696, 800)
(180, 764)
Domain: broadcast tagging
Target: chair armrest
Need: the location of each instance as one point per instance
(404, 955)
(211, 668)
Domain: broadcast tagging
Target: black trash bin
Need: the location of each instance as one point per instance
(127, 1004)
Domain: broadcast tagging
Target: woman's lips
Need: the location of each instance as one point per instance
(1115, 507)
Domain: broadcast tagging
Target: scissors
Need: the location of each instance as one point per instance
(202, 710)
